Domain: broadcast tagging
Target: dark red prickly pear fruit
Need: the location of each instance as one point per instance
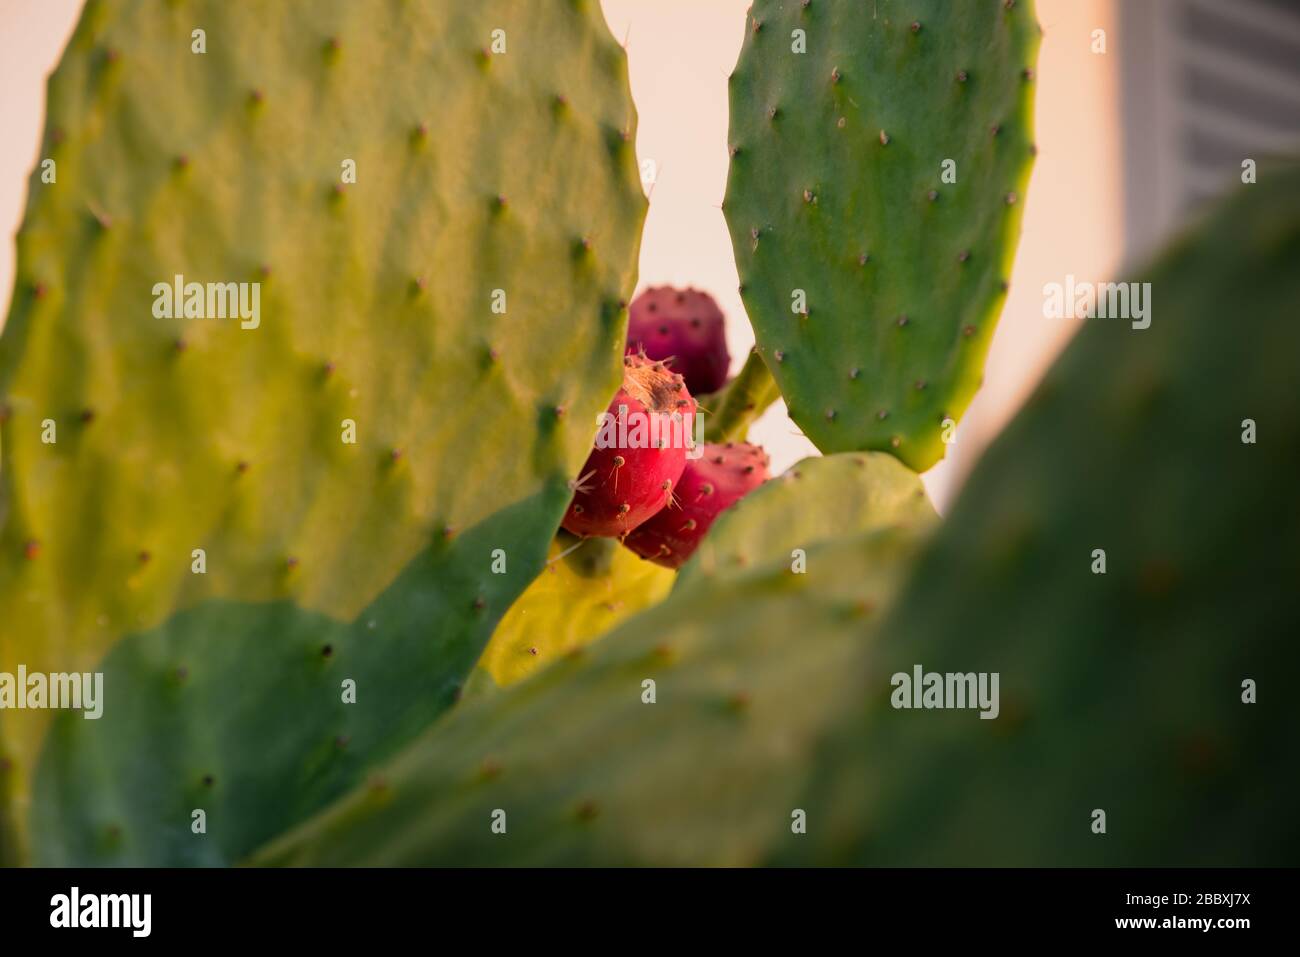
(639, 454)
(683, 325)
(709, 486)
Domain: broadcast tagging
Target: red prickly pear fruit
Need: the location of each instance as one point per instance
(709, 486)
(639, 454)
(683, 325)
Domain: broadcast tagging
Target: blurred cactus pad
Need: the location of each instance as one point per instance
(440, 205)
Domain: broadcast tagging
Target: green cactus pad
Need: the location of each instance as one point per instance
(1120, 692)
(492, 145)
(837, 202)
(587, 772)
(239, 709)
(572, 602)
(854, 491)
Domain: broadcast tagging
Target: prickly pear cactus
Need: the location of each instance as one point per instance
(437, 207)
(1145, 687)
(588, 587)
(880, 152)
(857, 492)
(685, 736)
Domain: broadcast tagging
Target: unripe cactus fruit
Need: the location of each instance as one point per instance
(686, 327)
(709, 486)
(639, 454)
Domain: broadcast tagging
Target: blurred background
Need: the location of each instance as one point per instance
(1145, 109)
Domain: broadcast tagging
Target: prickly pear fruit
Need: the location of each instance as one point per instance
(639, 454)
(686, 326)
(709, 486)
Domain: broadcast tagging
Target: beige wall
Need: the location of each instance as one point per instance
(32, 36)
(680, 53)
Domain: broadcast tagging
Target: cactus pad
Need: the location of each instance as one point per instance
(441, 206)
(874, 199)
(854, 491)
(570, 604)
(586, 771)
